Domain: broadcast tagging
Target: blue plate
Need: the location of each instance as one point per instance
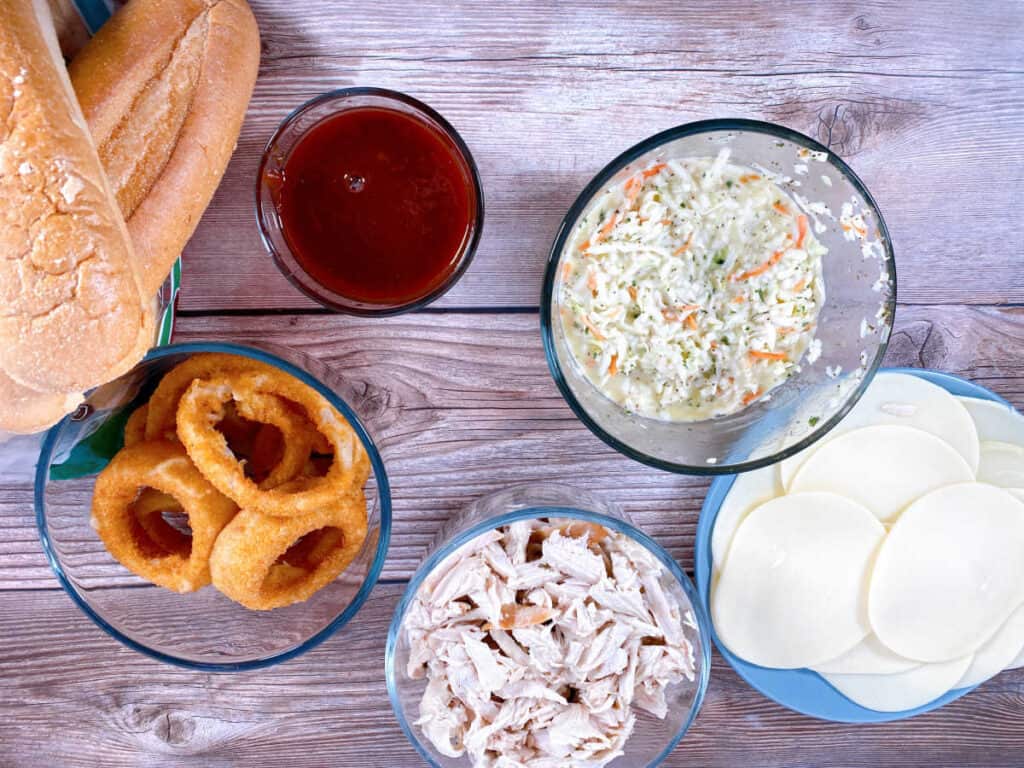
(801, 690)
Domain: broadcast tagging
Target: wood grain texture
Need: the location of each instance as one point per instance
(463, 404)
(330, 708)
(925, 100)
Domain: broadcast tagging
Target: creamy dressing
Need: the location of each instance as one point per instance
(692, 289)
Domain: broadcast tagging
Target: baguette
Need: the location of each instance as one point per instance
(164, 87)
(72, 310)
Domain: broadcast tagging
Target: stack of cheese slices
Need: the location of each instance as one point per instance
(105, 170)
(888, 557)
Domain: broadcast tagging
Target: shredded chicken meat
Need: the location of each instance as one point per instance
(541, 640)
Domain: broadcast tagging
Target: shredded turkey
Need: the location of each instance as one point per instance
(541, 641)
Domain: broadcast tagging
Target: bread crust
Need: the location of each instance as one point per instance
(164, 87)
(71, 306)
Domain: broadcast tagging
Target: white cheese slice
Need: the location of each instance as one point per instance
(1001, 464)
(749, 490)
(884, 468)
(868, 657)
(793, 591)
(995, 421)
(997, 652)
(903, 400)
(949, 573)
(904, 690)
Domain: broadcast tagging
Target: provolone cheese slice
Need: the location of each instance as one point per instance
(995, 421)
(1001, 464)
(884, 468)
(904, 690)
(949, 573)
(903, 400)
(868, 657)
(748, 491)
(793, 590)
(998, 651)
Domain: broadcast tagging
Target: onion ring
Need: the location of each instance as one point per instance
(163, 405)
(164, 467)
(199, 410)
(135, 427)
(265, 562)
(203, 406)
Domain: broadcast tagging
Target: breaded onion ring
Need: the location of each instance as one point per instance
(202, 408)
(164, 467)
(269, 562)
(135, 427)
(199, 410)
(163, 405)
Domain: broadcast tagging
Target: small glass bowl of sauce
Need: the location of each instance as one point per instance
(369, 201)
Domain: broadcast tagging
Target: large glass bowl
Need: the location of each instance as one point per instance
(201, 630)
(652, 739)
(854, 324)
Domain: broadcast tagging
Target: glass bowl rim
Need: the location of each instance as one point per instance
(547, 510)
(584, 198)
(468, 250)
(372, 574)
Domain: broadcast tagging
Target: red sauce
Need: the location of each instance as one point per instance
(377, 205)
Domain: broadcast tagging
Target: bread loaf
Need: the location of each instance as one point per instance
(164, 87)
(71, 305)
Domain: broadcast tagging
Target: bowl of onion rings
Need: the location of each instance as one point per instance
(220, 507)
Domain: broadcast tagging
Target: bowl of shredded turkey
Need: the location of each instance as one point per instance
(543, 641)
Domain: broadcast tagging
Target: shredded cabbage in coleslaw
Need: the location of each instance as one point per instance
(692, 289)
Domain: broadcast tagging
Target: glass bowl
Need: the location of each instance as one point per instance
(652, 739)
(854, 324)
(288, 134)
(201, 630)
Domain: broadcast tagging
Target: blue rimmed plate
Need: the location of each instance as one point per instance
(801, 690)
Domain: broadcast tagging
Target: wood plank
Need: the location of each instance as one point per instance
(462, 404)
(923, 100)
(117, 708)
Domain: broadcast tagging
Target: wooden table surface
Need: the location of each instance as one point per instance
(924, 100)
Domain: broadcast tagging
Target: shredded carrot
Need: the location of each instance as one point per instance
(592, 281)
(757, 354)
(749, 177)
(632, 292)
(684, 247)
(593, 329)
(801, 226)
(758, 270)
(584, 245)
(739, 299)
(654, 170)
(675, 314)
(607, 228)
(784, 331)
(566, 270)
(751, 396)
(714, 345)
(780, 207)
(667, 222)
(800, 286)
(691, 322)
(633, 187)
(613, 366)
